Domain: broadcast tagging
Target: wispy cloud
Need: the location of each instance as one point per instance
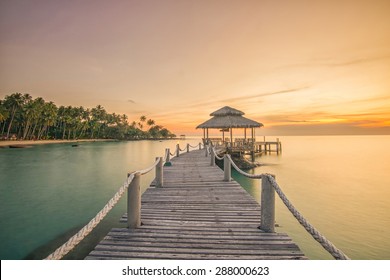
(131, 101)
(246, 98)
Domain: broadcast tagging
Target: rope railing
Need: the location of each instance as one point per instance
(147, 170)
(61, 251)
(269, 186)
(132, 185)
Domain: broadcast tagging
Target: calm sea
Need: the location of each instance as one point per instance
(341, 184)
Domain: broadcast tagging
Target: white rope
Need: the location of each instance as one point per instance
(197, 146)
(325, 243)
(147, 170)
(216, 155)
(253, 176)
(79, 236)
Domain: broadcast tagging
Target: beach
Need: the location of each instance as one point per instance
(27, 143)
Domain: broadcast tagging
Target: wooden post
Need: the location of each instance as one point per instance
(231, 138)
(200, 146)
(177, 150)
(205, 149)
(212, 157)
(188, 148)
(134, 202)
(226, 168)
(159, 173)
(168, 152)
(267, 221)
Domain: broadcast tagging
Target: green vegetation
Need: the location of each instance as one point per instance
(23, 117)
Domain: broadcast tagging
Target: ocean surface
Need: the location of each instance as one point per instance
(341, 184)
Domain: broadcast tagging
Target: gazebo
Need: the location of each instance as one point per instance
(226, 119)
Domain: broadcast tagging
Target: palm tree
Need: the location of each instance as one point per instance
(37, 112)
(99, 116)
(85, 121)
(150, 122)
(142, 119)
(124, 119)
(13, 102)
(3, 115)
(48, 118)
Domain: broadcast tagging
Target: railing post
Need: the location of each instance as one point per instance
(267, 222)
(227, 168)
(177, 150)
(159, 173)
(212, 157)
(200, 146)
(168, 152)
(134, 202)
(188, 148)
(205, 148)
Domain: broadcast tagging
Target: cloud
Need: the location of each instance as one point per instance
(131, 101)
(264, 94)
(224, 101)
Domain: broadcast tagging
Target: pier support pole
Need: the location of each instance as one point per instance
(188, 148)
(267, 222)
(212, 157)
(159, 173)
(134, 202)
(227, 168)
(177, 150)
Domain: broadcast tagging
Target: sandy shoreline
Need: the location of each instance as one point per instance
(41, 142)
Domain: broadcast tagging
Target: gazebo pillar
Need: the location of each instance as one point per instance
(223, 135)
(231, 137)
(204, 133)
(245, 133)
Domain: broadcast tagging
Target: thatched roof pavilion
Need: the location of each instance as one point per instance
(226, 119)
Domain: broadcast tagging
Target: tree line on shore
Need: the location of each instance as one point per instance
(23, 117)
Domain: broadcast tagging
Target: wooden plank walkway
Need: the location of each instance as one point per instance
(196, 215)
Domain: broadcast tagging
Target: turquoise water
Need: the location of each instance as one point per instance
(339, 183)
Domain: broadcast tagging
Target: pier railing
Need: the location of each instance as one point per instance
(268, 188)
(133, 186)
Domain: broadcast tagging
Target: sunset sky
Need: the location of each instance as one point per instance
(298, 67)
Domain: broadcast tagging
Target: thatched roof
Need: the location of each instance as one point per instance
(228, 117)
(227, 111)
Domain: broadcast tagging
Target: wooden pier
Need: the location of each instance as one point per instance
(196, 215)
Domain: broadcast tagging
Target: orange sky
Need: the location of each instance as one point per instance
(299, 67)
